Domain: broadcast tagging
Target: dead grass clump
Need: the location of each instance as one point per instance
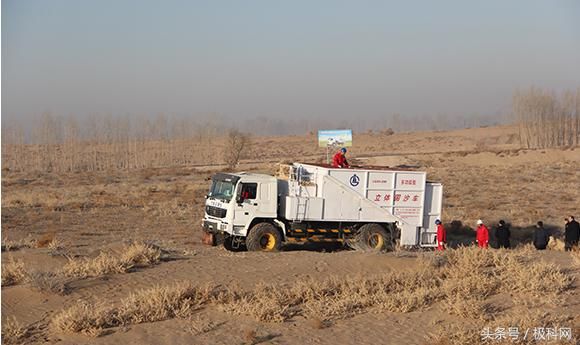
(199, 325)
(134, 255)
(537, 278)
(160, 303)
(141, 254)
(84, 318)
(13, 332)
(13, 272)
(103, 264)
(56, 247)
(266, 303)
(407, 300)
(8, 245)
(155, 304)
(48, 282)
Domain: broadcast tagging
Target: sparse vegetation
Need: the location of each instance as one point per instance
(467, 277)
(13, 272)
(48, 282)
(13, 332)
(129, 257)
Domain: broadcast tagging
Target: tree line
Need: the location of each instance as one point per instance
(546, 118)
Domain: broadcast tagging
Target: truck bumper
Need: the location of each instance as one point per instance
(210, 226)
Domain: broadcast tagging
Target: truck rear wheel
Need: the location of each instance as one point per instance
(374, 237)
(264, 237)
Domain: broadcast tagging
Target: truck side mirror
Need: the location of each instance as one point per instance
(239, 197)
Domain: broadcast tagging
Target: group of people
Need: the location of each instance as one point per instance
(503, 234)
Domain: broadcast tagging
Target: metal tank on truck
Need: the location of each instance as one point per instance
(375, 208)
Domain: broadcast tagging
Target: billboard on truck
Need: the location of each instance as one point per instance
(335, 137)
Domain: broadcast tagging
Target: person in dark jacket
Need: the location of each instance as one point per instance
(571, 234)
(540, 237)
(502, 233)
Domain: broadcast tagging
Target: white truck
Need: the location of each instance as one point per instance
(374, 208)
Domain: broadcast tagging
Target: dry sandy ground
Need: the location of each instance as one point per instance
(484, 172)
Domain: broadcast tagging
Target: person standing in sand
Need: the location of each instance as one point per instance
(571, 234)
(482, 235)
(541, 236)
(441, 236)
(502, 233)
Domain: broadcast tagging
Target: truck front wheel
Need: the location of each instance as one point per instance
(374, 237)
(264, 237)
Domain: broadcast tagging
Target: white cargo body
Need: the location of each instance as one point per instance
(320, 193)
(320, 203)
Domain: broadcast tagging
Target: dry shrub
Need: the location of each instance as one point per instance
(13, 332)
(150, 305)
(9, 245)
(48, 282)
(537, 278)
(523, 322)
(472, 307)
(134, 255)
(408, 300)
(198, 326)
(13, 272)
(84, 318)
(141, 254)
(56, 247)
(159, 303)
(469, 275)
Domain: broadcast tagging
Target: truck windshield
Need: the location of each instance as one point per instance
(222, 190)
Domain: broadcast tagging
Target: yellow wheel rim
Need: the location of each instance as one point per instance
(376, 241)
(267, 242)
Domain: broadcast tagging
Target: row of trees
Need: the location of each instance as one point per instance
(547, 119)
(60, 144)
(100, 143)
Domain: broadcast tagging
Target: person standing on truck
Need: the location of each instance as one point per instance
(482, 234)
(441, 236)
(571, 234)
(502, 233)
(541, 236)
(339, 159)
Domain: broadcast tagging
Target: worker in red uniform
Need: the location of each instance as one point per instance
(441, 236)
(339, 159)
(482, 234)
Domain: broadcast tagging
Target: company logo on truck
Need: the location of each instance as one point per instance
(354, 180)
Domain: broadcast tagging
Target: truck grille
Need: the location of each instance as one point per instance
(215, 211)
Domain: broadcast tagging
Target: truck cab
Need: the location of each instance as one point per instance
(235, 202)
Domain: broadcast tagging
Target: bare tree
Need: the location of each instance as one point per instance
(236, 142)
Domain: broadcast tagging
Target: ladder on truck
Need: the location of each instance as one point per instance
(302, 205)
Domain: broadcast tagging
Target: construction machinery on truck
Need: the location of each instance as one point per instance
(375, 208)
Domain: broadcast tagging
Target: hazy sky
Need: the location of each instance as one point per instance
(274, 58)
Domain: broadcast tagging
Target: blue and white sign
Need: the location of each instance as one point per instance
(336, 137)
(354, 180)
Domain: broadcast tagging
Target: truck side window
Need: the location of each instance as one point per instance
(249, 190)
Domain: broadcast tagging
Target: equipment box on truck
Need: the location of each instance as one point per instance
(372, 208)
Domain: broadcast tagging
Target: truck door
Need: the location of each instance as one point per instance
(431, 212)
(246, 203)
